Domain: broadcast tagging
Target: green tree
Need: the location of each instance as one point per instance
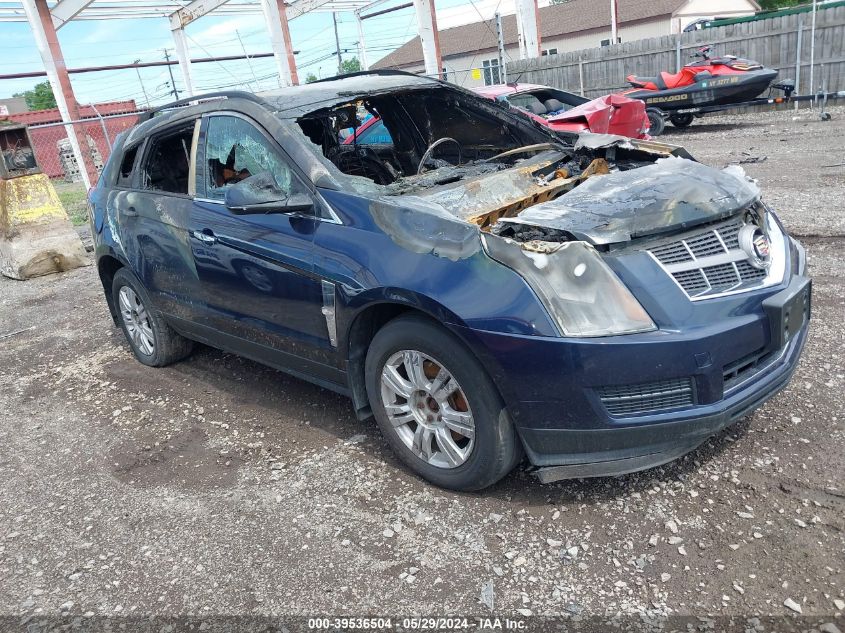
(310, 77)
(40, 97)
(351, 65)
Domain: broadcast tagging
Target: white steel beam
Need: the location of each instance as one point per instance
(362, 45)
(429, 38)
(529, 26)
(280, 41)
(520, 37)
(66, 10)
(371, 5)
(184, 59)
(41, 23)
(195, 10)
(614, 22)
(301, 7)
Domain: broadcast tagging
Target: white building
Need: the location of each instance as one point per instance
(470, 56)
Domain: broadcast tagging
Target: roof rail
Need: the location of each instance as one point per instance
(383, 72)
(228, 94)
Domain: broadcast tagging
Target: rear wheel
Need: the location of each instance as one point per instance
(152, 340)
(437, 407)
(656, 122)
(681, 120)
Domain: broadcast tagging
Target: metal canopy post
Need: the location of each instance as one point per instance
(184, 59)
(275, 12)
(362, 46)
(520, 37)
(614, 22)
(429, 38)
(44, 31)
(282, 7)
(529, 27)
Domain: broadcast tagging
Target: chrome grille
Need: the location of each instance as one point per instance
(747, 272)
(709, 261)
(650, 397)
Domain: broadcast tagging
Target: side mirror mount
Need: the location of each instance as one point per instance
(260, 194)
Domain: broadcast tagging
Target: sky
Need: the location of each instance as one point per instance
(100, 42)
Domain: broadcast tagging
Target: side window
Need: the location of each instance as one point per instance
(375, 134)
(124, 176)
(167, 163)
(236, 150)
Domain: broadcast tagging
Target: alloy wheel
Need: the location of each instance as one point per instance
(427, 409)
(137, 321)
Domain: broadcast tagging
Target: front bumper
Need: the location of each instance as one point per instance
(631, 449)
(551, 391)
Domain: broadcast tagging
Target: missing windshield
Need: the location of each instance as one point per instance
(398, 138)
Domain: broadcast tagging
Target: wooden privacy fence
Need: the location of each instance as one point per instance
(774, 43)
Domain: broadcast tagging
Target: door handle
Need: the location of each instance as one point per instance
(130, 212)
(205, 236)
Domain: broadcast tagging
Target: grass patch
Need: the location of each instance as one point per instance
(75, 201)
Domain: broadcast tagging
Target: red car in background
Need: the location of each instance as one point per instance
(560, 110)
(566, 112)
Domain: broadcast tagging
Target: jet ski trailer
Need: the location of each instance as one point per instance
(683, 116)
(709, 84)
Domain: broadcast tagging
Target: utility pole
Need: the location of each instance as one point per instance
(503, 76)
(141, 81)
(170, 70)
(337, 45)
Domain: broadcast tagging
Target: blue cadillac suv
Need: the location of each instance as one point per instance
(484, 288)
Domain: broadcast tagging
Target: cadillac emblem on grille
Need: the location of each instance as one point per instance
(733, 256)
(756, 245)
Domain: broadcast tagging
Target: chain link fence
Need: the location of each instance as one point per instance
(56, 158)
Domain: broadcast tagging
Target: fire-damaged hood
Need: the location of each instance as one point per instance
(665, 197)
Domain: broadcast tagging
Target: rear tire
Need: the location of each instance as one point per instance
(475, 444)
(151, 339)
(681, 120)
(656, 122)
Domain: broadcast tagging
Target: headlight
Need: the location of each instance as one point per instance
(582, 294)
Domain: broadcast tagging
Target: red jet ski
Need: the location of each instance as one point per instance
(704, 82)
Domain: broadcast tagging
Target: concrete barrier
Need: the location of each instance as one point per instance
(36, 236)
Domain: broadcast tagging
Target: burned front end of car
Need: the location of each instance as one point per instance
(681, 305)
(627, 301)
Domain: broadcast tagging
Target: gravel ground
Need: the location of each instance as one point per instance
(220, 487)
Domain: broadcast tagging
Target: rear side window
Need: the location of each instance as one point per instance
(124, 176)
(168, 161)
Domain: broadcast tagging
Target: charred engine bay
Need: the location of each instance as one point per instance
(590, 195)
(513, 179)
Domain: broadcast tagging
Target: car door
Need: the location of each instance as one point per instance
(256, 269)
(153, 210)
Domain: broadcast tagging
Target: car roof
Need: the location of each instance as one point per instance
(288, 102)
(293, 101)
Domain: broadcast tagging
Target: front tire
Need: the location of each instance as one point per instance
(151, 339)
(437, 407)
(656, 122)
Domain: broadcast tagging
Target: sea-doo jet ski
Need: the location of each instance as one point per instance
(704, 82)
